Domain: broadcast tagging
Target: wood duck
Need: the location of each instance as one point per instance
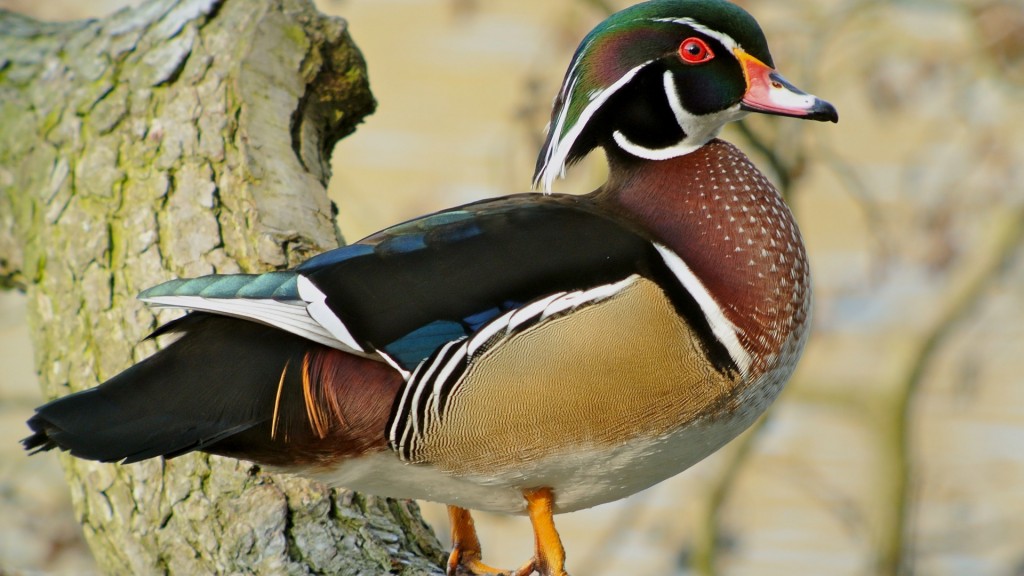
(531, 354)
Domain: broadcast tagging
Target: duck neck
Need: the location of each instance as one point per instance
(730, 226)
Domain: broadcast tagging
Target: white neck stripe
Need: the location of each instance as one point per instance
(674, 151)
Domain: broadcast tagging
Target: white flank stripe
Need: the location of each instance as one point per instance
(431, 408)
(420, 384)
(531, 310)
(566, 302)
(575, 299)
(723, 329)
(488, 331)
(608, 290)
(434, 375)
(322, 313)
(406, 390)
(445, 373)
(412, 425)
(542, 309)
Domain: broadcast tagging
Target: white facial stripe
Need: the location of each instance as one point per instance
(672, 94)
(724, 330)
(558, 149)
(725, 39)
(556, 129)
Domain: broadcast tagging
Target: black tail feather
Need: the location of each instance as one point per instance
(220, 379)
(39, 441)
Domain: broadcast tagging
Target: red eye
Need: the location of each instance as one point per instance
(695, 51)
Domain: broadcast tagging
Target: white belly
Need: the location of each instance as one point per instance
(584, 478)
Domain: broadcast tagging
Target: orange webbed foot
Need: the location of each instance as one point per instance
(549, 555)
(463, 563)
(465, 559)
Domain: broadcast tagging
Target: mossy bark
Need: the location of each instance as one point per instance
(177, 139)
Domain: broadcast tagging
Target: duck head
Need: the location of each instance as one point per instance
(659, 80)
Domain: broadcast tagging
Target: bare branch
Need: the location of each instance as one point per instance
(895, 556)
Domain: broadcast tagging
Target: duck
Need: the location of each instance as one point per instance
(532, 354)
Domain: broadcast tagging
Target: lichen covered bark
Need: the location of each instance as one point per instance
(177, 139)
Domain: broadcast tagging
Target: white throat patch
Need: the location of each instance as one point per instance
(697, 130)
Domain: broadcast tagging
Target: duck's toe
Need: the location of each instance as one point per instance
(467, 563)
(466, 557)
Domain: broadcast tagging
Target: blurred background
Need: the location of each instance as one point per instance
(900, 441)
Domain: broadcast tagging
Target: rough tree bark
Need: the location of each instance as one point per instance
(177, 139)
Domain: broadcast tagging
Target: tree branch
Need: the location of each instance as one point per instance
(895, 557)
(176, 139)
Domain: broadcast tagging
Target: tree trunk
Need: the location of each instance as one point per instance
(177, 139)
